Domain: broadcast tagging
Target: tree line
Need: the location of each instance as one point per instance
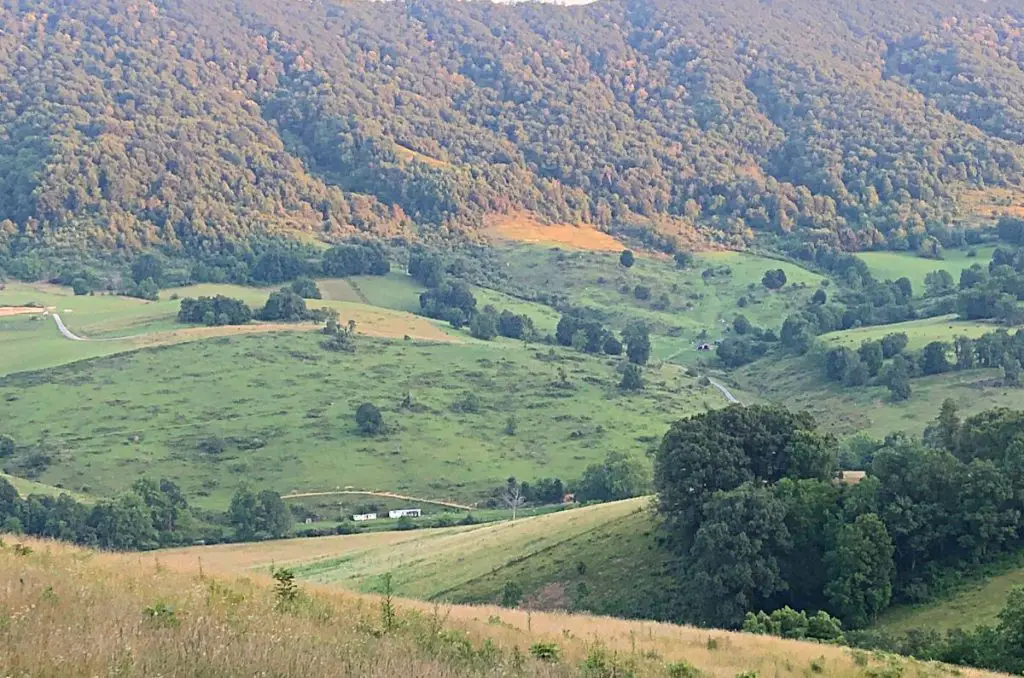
(152, 514)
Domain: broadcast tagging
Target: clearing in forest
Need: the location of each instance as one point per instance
(523, 227)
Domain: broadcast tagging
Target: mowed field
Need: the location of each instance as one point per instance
(116, 324)
(82, 612)
(919, 332)
(697, 306)
(277, 411)
(425, 564)
(895, 265)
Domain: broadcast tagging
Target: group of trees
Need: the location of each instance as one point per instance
(856, 368)
(751, 507)
(994, 350)
(217, 310)
(286, 304)
(585, 332)
(618, 476)
(999, 646)
(994, 293)
(367, 258)
(151, 515)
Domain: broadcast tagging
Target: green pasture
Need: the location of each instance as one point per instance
(799, 383)
(919, 332)
(696, 304)
(895, 265)
(277, 410)
(435, 564)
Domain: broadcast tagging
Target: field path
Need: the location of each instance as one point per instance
(725, 391)
(389, 495)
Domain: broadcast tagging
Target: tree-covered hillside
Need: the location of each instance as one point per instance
(188, 124)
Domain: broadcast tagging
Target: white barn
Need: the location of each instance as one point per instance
(405, 513)
(359, 517)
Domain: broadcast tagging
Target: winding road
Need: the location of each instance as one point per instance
(725, 391)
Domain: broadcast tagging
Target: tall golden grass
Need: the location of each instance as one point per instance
(66, 611)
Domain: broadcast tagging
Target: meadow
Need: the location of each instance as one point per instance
(919, 332)
(277, 411)
(975, 602)
(696, 307)
(424, 564)
(798, 383)
(117, 324)
(73, 612)
(895, 265)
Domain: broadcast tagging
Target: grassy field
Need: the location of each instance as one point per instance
(919, 332)
(524, 228)
(32, 342)
(425, 564)
(576, 559)
(27, 487)
(799, 383)
(71, 612)
(276, 410)
(696, 303)
(895, 265)
(978, 603)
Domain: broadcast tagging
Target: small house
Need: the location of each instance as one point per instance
(360, 517)
(405, 513)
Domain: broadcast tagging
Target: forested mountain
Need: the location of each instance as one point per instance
(187, 123)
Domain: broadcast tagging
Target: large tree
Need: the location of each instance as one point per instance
(860, 571)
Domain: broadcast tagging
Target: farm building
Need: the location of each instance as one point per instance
(405, 513)
(359, 517)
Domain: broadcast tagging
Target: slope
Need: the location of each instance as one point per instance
(196, 125)
(279, 411)
(78, 613)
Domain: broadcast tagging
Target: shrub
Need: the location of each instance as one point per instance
(547, 652)
(161, 616)
(369, 419)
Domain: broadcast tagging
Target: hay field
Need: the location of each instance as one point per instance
(71, 612)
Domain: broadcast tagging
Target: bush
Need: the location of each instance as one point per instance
(547, 652)
(626, 259)
(369, 419)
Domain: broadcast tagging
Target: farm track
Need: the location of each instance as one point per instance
(725, 391)
(387, 495)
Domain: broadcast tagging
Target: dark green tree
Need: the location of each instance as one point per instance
(369, 419)
(893, 344)
(638, 343)
(871, 355)
(632, 378)
(934, 358)
(860, 571)
(626, 259)
(148, 267)
(306, 288)
(734, 564)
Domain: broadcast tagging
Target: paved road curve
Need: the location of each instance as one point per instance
(65, 331)
(728, 394)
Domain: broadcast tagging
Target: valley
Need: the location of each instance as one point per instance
(617, 339)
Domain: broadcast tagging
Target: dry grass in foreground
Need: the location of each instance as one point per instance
(522, 227)
(66, 611)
